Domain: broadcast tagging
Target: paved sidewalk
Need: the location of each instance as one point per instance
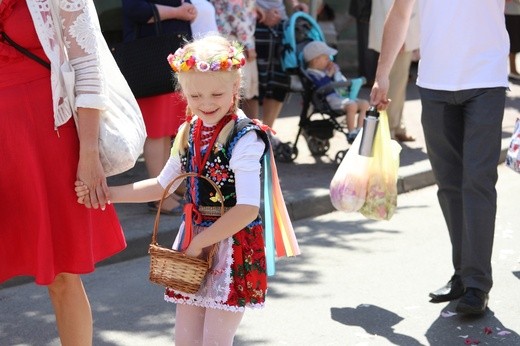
(305, 182)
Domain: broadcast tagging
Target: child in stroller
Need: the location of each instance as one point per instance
(323, 71)
(318, 120)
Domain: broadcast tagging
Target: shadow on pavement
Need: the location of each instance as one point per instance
(450, 329)
(517, 274)
(375, 321)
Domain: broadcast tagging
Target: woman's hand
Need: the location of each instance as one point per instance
(186, 12)
(91, 173)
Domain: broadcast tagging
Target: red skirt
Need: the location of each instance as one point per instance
(163, 114)
(43, 230)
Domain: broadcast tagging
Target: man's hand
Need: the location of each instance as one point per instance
(378, 95)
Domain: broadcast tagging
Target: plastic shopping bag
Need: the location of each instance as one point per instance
(348, 187)
(381, 196)
(513, 153)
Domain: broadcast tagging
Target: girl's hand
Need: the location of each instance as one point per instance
(193, 251)
(82, 192)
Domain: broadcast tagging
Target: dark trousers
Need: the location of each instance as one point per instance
(463, 135)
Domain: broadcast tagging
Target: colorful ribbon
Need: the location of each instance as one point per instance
(280, 240)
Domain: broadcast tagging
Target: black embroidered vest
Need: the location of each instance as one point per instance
(217, 167)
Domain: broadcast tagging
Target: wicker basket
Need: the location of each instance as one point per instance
(173, 269)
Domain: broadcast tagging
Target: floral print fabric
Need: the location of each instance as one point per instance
(238, 276)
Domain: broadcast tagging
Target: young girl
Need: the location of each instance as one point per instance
(221, 143)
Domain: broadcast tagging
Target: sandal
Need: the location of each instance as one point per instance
(177, 211)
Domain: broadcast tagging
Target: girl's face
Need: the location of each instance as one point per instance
(210, 95)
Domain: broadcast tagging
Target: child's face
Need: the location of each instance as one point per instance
(210, 94)
(320, 62)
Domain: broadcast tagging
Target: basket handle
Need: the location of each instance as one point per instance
(165, 194)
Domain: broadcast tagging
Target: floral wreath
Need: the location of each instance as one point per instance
(182, 61)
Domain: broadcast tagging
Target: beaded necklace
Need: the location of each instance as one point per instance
(207, 139)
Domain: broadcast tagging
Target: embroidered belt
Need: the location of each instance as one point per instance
(211, 211)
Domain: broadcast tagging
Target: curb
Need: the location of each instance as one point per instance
(300, 206)
(319, 203)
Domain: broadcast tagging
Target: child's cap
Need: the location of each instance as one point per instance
(316, 48)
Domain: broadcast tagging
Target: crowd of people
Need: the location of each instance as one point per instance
(462, 108)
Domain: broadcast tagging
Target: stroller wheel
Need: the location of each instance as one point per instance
(317, 146)
(339, 156)
(285, 152)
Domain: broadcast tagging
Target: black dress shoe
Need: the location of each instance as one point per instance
(473, 302)
(452, 290)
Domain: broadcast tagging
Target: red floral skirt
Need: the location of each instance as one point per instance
(237, 278)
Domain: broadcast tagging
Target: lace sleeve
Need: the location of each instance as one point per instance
(82, 37)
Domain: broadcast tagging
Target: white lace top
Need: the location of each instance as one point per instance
(85, 47)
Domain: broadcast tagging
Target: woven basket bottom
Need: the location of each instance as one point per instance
(175, 270)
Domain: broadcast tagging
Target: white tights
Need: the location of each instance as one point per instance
(207, 327)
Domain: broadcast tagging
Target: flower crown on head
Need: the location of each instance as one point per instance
(182, 61)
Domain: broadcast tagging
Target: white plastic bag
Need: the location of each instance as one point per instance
(348, 187)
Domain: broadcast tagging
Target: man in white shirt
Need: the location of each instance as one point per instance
(462, 80)
(400, 73)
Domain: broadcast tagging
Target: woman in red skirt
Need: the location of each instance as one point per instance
(44, 233)
(162, 113)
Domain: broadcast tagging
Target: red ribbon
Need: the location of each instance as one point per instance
(263, 126)
(191, 215)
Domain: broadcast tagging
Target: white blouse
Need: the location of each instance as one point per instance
(86, 49)
(245, 162)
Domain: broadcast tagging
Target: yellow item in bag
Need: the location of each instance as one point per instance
(381, 196)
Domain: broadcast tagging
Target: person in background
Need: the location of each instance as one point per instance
(236, 19)
(400, 73)
(322, 71)
(209, 74)
(162, 113)
(367, 58)
(273, 81)
(205, 22)
(44, 233)
(463, 104)
(512, 13)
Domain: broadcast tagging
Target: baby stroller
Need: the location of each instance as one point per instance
(317, 119)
